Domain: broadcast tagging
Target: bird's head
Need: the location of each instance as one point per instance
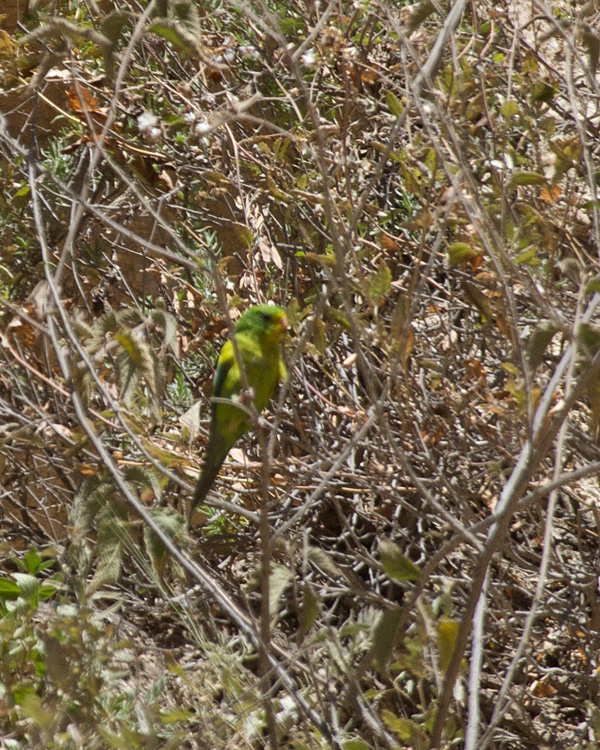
(267, 321)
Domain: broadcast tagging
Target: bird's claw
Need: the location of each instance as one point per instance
(246, 397)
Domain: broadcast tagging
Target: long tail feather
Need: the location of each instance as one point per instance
(216, 453)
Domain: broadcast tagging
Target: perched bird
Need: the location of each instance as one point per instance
(258, 334)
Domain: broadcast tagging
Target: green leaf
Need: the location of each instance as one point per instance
(244, 235)
(279, 580)
(400, 316)
(539, 341)
(509, 109)
(395, 564)
(9, 589)
(109, 548)
(93, 494)
(339, 317)
(47, 590)
(526, 178)
(407, 730)
(319, 337)
(592, 42)
(460, 252)
(32, 561)
(29, 586)
(134, 362)
(169, 325)
(311, 606)
(175, 716)
(180, 34)
(511, 368)
(401, 727)
(420, 12)
(323, 560)
(543, 92)
(290, 25)
(165, 30)
(356, 745)
(143, 478)
(172, 525)
(589, 337)
(446, 641)
(113, 23)
(394, 104)
(384, 636)
(480, 301)
(593, 285)
(528, 257)
(216, 178)
(379, 283)
(326, 261)
(32, 708)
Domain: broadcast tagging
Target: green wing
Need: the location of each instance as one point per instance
(224, 364)
(257, 336)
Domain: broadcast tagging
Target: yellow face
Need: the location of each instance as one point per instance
(277, 326)
(268, 322)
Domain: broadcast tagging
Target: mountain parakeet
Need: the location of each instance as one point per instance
(258, 334)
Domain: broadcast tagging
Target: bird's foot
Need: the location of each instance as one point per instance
(246, 397)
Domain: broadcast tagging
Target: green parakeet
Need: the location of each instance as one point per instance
(258, 334)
